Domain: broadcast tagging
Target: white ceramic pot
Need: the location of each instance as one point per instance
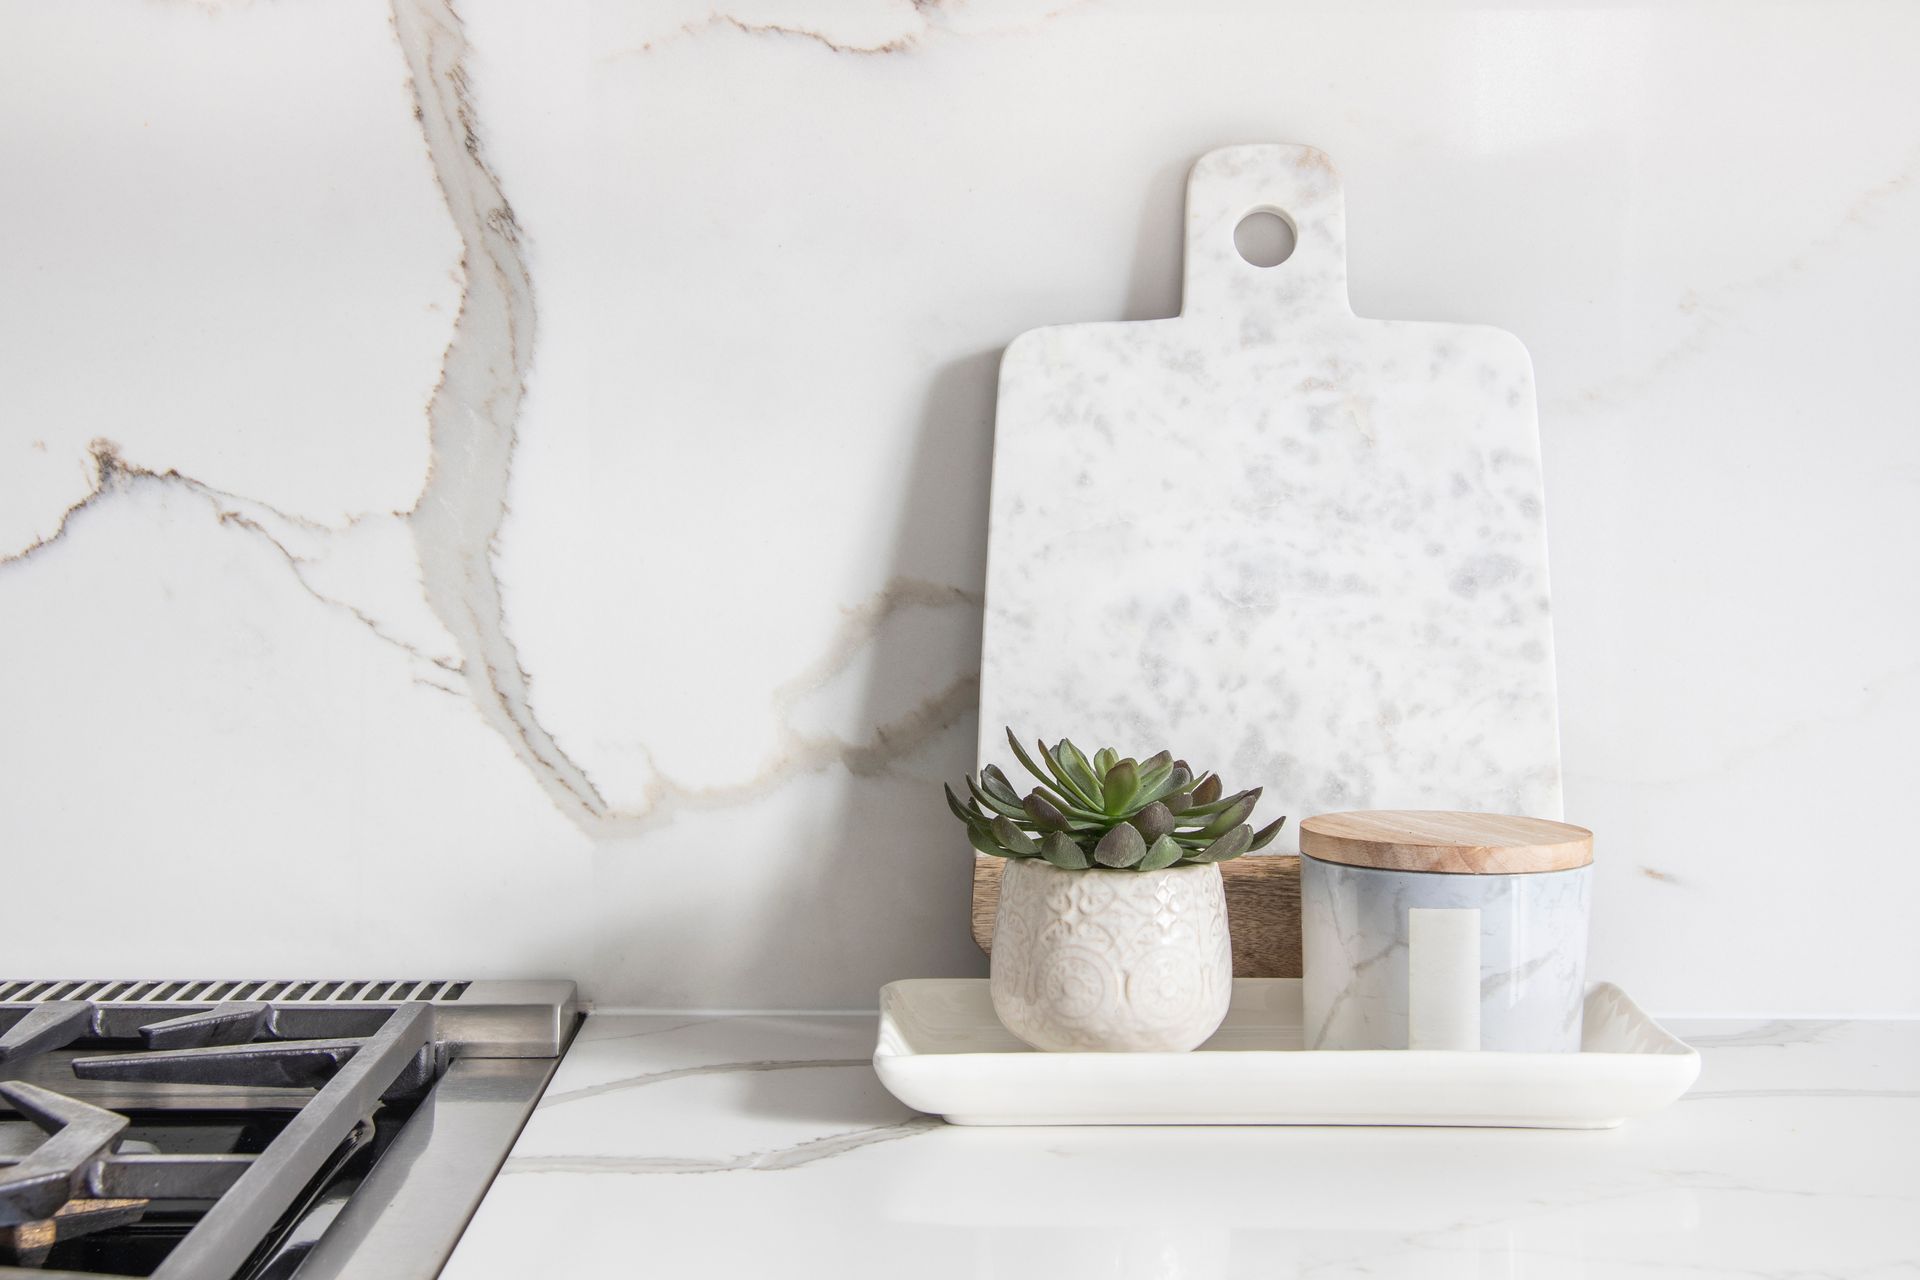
(1111, 961)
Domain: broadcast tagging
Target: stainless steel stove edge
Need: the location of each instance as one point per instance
(406, 1218)
(485, 1018)
(519, 1018)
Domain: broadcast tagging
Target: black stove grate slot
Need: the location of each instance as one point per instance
(122, 991)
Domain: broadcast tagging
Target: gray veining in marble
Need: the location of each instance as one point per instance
(793, 1157)
(1775, 1034)
(552, 1099)
(1297, 546)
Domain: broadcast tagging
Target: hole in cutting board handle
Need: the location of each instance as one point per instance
(1265, 237)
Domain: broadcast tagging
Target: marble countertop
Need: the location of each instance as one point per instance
(763, 1146)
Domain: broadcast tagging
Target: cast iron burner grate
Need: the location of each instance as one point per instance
(78, 1181)
(245, 1129)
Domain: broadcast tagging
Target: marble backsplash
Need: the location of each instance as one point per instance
(490, 488)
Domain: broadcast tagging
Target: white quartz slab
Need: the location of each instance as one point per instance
(764, 1146)
(776, 248)
(195, 270)
(1300, 547)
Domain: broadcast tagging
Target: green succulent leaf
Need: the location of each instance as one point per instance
(1207, 791)
(1086, 795)
(1163, 852)
(1051, 775)
(1079, 769)
(1205, 811)
(1074, 810)
(1121, 785)
(1154, 772)
(1044, 813)
(1234, 814)
(1168, 789)
(997, 785)
(984, 843)
(1264, 836)
(1120, 847)
(1013, 839)
(1229, 846)
(1178, 801)
(1063, 852)
(994, 804)
(1104, 759)
(1026, 761)
(1154, 822)
(974, 821)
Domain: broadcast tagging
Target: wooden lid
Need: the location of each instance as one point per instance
(1475, 844)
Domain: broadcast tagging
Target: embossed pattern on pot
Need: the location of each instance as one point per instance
(1111, 961)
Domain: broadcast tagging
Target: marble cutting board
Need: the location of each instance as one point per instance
(1300, 547)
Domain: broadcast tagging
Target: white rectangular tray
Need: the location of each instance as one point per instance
(942, 1050)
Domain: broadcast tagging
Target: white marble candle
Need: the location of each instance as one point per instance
(1533, 946)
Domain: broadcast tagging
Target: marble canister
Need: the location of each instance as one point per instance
(1363, 943)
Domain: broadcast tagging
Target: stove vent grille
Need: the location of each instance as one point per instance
(212, 991)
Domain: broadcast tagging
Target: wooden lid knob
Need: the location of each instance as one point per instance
(1478, 844)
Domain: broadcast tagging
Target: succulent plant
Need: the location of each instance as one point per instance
(1108, 812)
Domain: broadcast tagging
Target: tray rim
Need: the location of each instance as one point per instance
(1634, 1082)
(1672, 1047)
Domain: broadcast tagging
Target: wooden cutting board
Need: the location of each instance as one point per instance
(1295, 546)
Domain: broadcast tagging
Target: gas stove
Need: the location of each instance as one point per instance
(260, 1130)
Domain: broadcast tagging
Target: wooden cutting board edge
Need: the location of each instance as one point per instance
(1263, 911)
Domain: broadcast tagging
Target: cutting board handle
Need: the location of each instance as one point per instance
(1301, 185)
